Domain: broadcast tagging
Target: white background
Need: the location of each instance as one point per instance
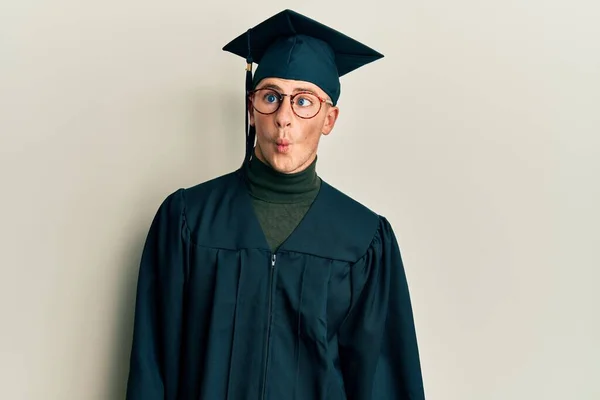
(477, 136)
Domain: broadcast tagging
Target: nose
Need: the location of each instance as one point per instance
(284, 115)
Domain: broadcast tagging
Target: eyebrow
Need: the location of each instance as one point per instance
(296, 90)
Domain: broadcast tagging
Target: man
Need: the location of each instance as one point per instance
(268, 283)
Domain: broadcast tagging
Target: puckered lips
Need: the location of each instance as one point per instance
(283, 145)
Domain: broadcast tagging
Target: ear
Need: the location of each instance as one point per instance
(330, 118)
(250, 111)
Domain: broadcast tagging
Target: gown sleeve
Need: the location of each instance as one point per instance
(154, 359)
(377, 341)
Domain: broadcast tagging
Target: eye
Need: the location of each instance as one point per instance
(271, 98)
(304, 101)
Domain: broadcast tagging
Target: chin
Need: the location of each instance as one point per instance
(282, 164)
(285, 163)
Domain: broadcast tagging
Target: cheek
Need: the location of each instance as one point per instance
(310, 138)
(313, 131)
(262, 134)
(260, 121)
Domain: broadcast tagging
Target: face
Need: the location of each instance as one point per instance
(285, 141)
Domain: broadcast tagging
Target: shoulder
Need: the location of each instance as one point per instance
(347, 209)
(356, 223)
(347, 227)
(214, 187)
(216, 197)
(195, 200)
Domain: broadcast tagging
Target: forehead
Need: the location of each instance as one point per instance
(290, 85)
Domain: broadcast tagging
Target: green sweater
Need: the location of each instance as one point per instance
(280, 200)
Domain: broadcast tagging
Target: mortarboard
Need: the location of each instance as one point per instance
(292, 46)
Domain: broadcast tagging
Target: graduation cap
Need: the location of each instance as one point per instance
(292, 46)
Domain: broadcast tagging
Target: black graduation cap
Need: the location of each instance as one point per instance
(292, 46)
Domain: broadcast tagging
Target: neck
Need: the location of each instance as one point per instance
(267, 184)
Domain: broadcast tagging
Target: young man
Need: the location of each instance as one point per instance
(268, 283)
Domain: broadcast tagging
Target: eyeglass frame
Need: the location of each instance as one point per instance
(291, 96)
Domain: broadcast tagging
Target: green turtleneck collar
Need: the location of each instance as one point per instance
(267, 184)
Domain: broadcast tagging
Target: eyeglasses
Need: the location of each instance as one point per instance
(304, 104)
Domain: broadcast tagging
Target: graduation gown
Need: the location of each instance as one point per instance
(219, 316)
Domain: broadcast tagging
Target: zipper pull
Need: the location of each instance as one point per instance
(273, 261)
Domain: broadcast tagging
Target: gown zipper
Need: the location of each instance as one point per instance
(272, 271)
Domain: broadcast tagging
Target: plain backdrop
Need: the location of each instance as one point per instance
(477, 136)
